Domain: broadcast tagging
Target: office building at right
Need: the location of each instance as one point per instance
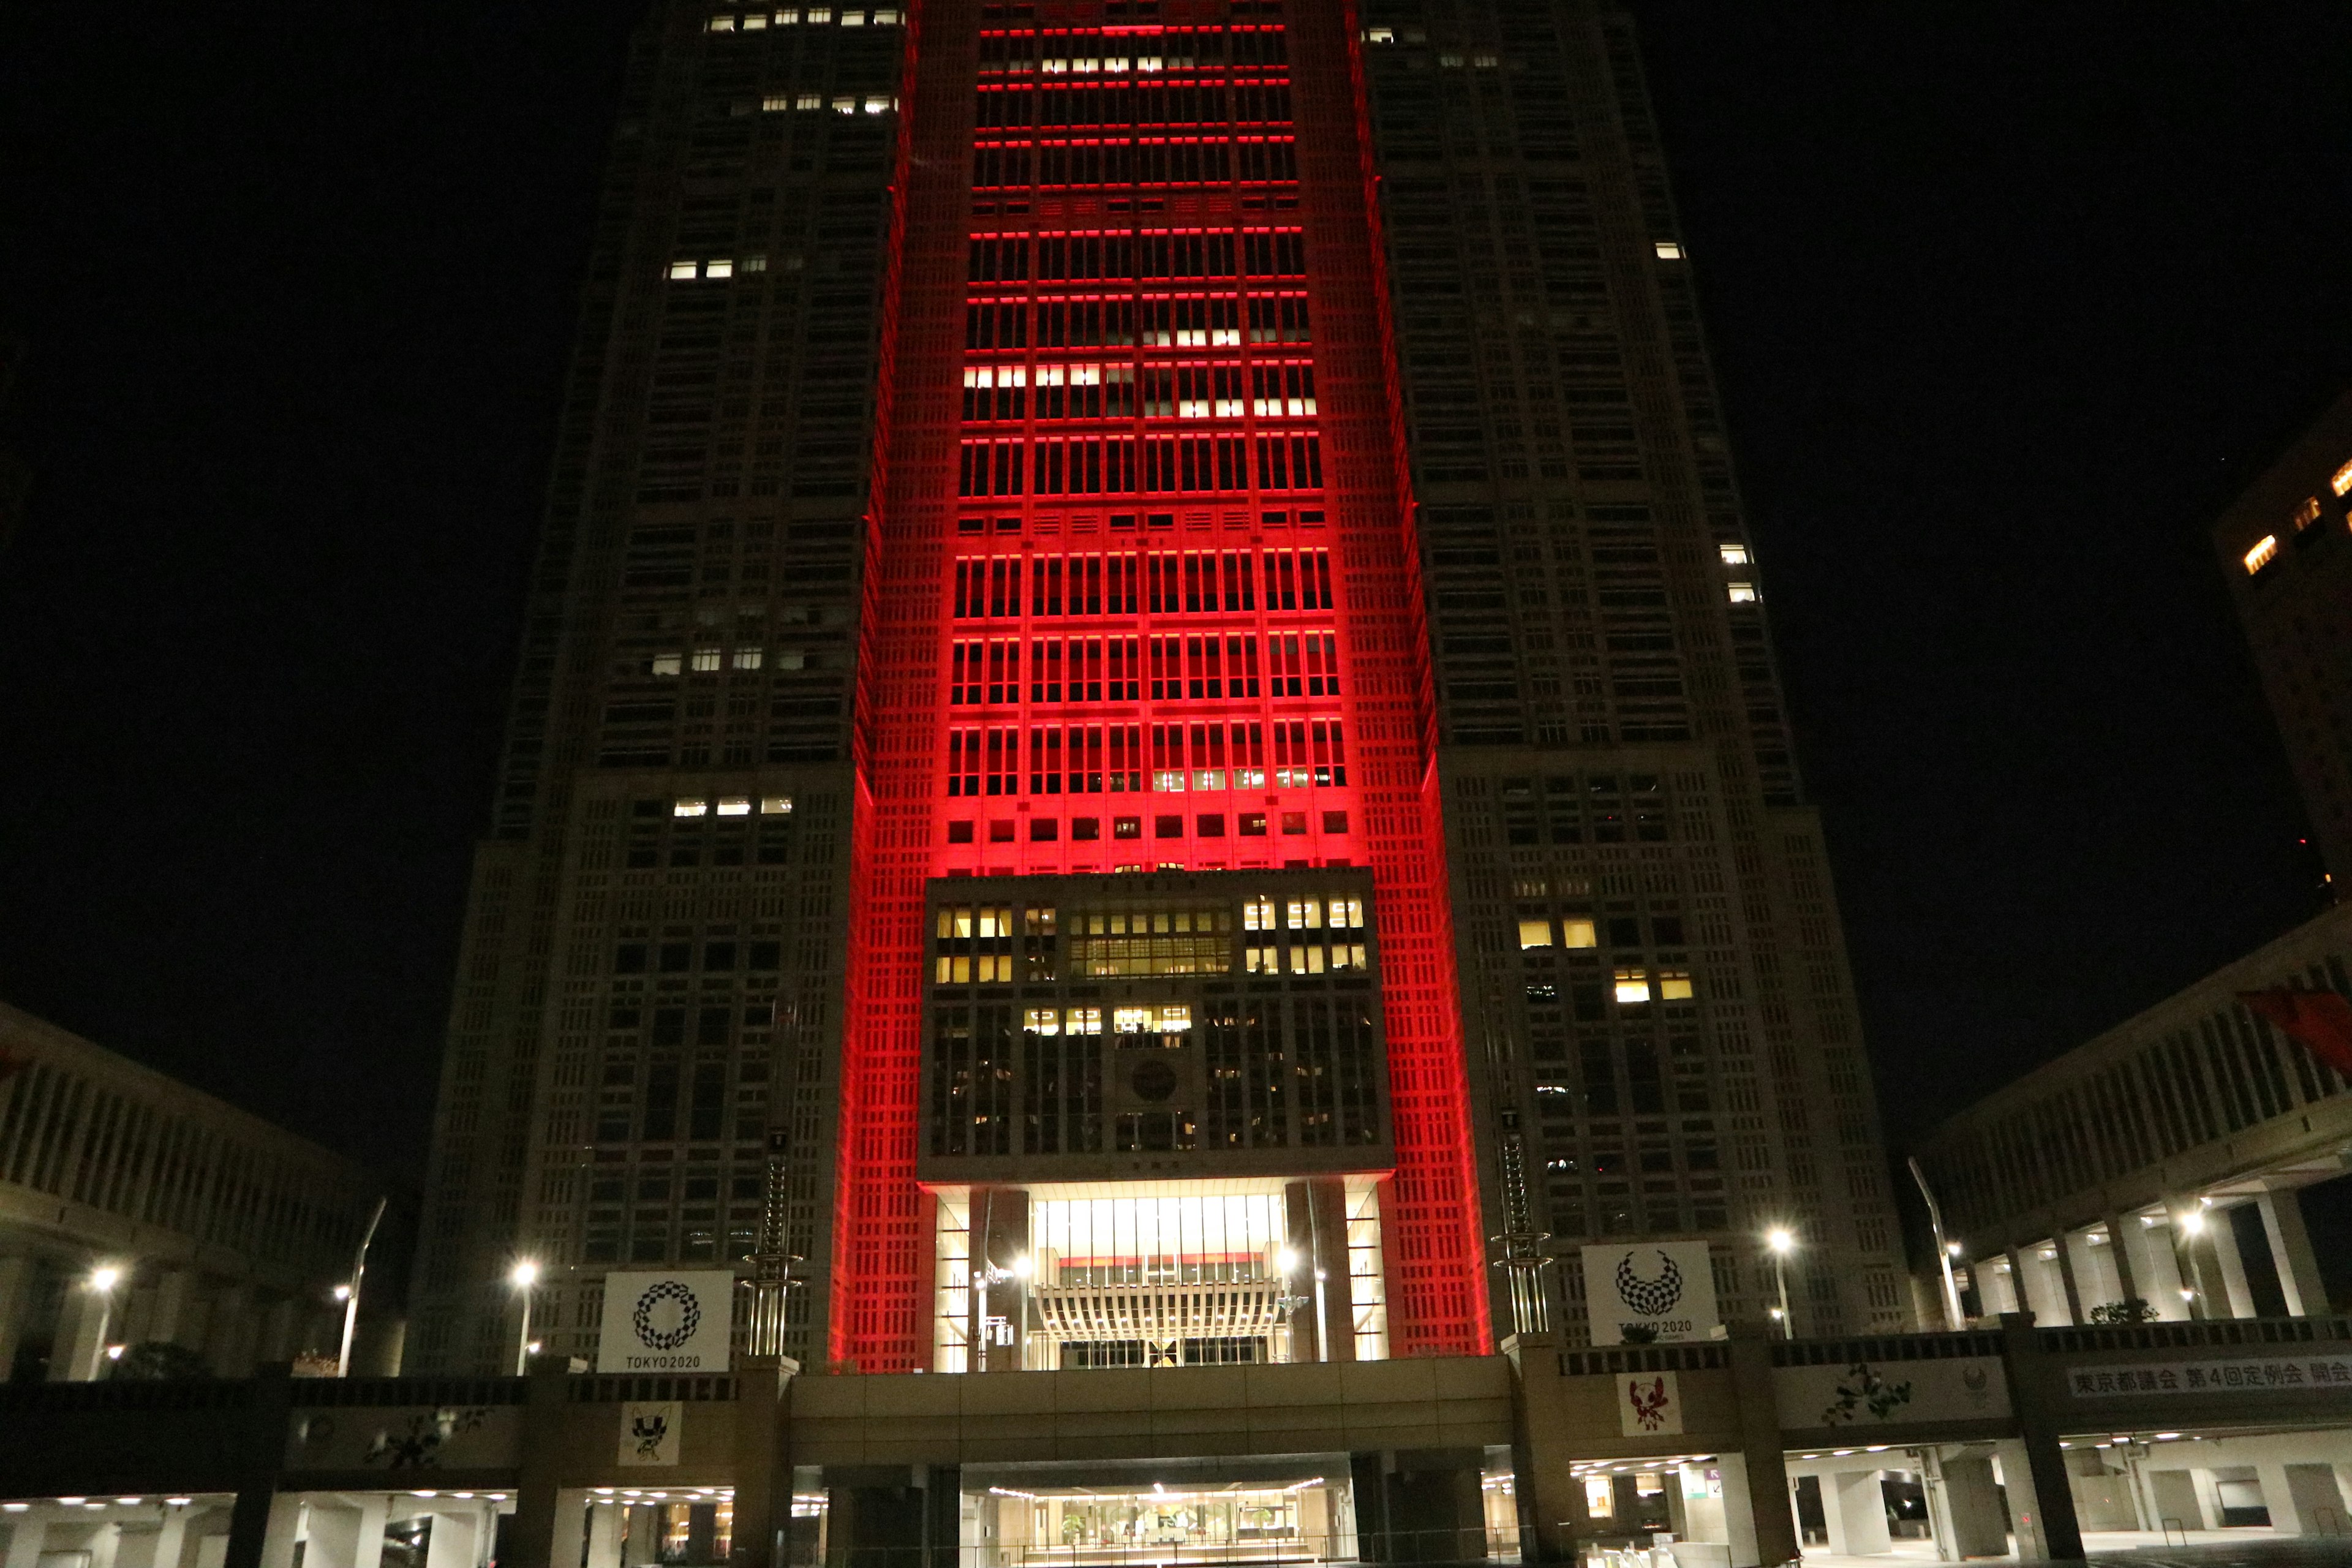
(2283, 547)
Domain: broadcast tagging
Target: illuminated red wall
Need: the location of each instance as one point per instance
(1141, 592)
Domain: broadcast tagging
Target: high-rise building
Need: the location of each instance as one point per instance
(1145, 732)
(2289, 565)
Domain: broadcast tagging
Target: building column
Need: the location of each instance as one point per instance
(605, 1534)
(454, 1542)
(2156, 1267)
(762, 1484)
(2032, 1466)
(2221, 1233)
(15, 1302)
(280, 1531)
(168, 1313)
(171, 1539)
(2070, 1293)
(82, 1325)
(1756, 1511)
(2098, 1275)
(2292, 1254)
(27, 1534)
(229, 1338)
(342, 1537)
(1853, 1506)
(1972, 1504)
(530, 1539)
(2131, 1274)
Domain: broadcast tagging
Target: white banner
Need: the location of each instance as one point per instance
(1667, 1286)
(649, 1430)
(1875, 1394)
(2326, 1372)
(666, 1321)
(1649, 1405)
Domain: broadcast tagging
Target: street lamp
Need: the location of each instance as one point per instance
(349, 1295)
(103, 1280)
(523, 1276)
(1782, 1241)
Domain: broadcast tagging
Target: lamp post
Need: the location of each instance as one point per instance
(1782, 1242)
(103, 1280)
(524, 1276)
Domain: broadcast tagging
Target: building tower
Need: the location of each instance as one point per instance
(1146, 675)
(2289, 567)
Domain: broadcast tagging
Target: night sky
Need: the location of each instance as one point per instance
(2006, 300)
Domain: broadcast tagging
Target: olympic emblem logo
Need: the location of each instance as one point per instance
(688, 1319)
(1651, 1297)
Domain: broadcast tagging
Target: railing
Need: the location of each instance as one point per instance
(332, 1392)
(1616, 1359)
(65, 1398)
(2191, 1334)
(1886, 1347)
(1474, 1544)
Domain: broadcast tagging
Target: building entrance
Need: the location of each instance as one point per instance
(1097, 1517)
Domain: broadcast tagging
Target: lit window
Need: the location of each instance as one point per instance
(1743, 593)
(722, 23)
(1577, 933)
(1380, 35)
(753, 264)
(853, 18)
(2307, 513)
(775, 103)
(775, 806)
(886, 18)
(1085, 1021)
(1535, 934)
(669, 663)
(747, 658)
(876, 105)
(1668, 250)
(1134, 1020)
(2262, 553)
(1633, 985)
(1168, 781)
(690, 808)
(1453, 62)
(1257, 914)
(1146, 62)
(1734, 554)
(1042, 1020)
(844, 106)
(819, 14)
(735, 805)
(1485, 62)
(808, 101)
(721, 268)
(683, 268)
(2341, 483)
(1674, 986)
(706, 658)
(788, 17)
(754, 21)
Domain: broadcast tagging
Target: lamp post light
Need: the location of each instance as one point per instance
(523, 1278)
(103, 1280)
(1782, 1241)
(349, 1295)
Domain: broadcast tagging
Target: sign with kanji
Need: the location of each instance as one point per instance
(2270, 1374)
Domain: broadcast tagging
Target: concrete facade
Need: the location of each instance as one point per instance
(228, 1234)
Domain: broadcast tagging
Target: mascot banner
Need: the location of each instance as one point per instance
(1666, 1288)
(666, 1321)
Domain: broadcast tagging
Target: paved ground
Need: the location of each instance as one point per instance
(2251, 1548)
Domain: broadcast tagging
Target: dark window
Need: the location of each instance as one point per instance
(676, 957)
(718, 955)
(959, 832)
(1253, 825)
(1211, 825)
(1168, 828)
(1334, 822)
(629, 958)
(766, 955)
(1043, 829)
(1085, 827)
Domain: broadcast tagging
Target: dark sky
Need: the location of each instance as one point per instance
(2005, 299)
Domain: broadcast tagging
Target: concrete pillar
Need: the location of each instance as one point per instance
(2033, 1468)
(27, 1535)
(763, 1485)
(2154, 1267)
(2091, 1253)
(1979, 1527)
(83, 1323)
(531, 1536)
(456, 1540)
(16, 1303)
(228, 1336)
(2070, 1291)
(2292, 1254)
(1999, 1288)
(2221, 1233)
(171, 1538)
(284, 1529)
(1756, 1511)
(569, 1538)
(641, 1543)
(2303, 1500)
(275, 1340)
(2129, 1280)
(2174, 1496)
(171, 1313)
(605, 1534)
(1854, 1508)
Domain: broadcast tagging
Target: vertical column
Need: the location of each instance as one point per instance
(1756, 1511)
(283, 1531)
(27, 1533)
(256, 1525)
(1855, 1509)
(2156, 1267)
(229, 1338)
(168, 1316)
(763, 1481)
(454, 1542)
(2221, 1235)
(82, 1324)
(15, 1301)
(530, 1538)
(2291, 1253)
(2070, 1291)
(605, 1520)
(1972, 1503)
(2032, 1466)
(2130, 1280)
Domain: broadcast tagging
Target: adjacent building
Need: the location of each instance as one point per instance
(1146, 731)
(2285, 552)
(135, 1210)
(2161, 1161)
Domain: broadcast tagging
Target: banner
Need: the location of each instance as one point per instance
(1872, 1394)
(649, 1430)
(1667, 1286)
(1649, 1405)
(2328, 1374)
(666, 1321)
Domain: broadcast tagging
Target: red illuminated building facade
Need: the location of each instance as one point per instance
(1145, 735)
